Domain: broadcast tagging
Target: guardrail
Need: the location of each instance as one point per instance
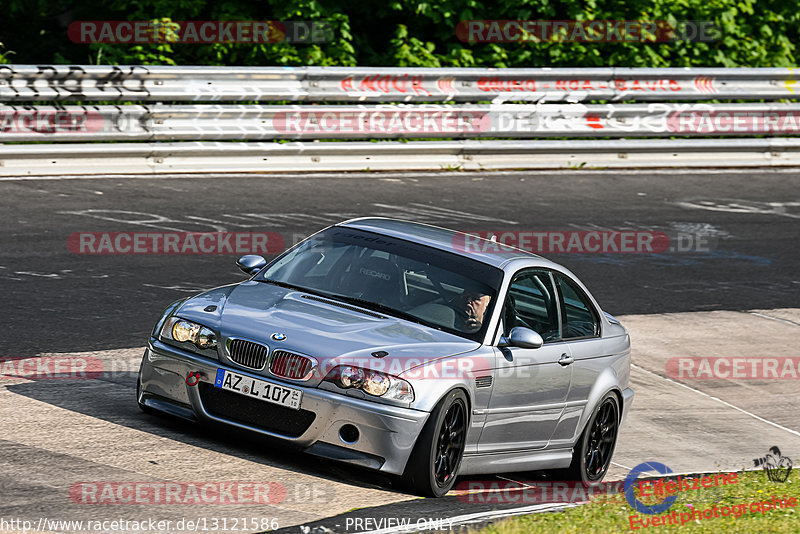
(25, 83)
(465, 155)
(340, 103)
(468, 121)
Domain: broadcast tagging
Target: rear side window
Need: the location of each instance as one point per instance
(578, 316)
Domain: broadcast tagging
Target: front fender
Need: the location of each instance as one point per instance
(607, 382)
(432, 380)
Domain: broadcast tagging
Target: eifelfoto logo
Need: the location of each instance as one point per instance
(630, 487)
(666, 488)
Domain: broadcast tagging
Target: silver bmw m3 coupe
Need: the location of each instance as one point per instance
(418, 351)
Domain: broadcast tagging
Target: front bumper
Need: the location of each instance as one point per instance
(387, 434)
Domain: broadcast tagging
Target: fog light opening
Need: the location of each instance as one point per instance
(349, 434)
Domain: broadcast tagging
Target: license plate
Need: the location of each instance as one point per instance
(258, 389)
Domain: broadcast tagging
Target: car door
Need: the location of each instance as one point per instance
(530, 385)
(580, 327)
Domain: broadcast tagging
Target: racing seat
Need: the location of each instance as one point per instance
(376, 279)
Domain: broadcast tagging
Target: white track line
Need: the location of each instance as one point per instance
(404, 174)
(728, 404)
(622, 466)
(764, 316)
(521, 482)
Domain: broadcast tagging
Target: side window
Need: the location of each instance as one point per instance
(532, 302)
(578, 313)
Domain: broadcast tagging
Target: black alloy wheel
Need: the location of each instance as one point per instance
(434, 463)
(592, 453)
(450, 444)
(602, 438)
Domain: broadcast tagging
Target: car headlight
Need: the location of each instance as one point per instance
(186, 331)
(351, 377)
(376, 384)
(371, 382)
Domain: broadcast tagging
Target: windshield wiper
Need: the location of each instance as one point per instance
(374, 306)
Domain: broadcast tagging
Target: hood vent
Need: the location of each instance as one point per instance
(345, 306)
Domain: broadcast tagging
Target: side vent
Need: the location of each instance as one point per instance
(483, 382)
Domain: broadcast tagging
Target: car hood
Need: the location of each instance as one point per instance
(333, 333)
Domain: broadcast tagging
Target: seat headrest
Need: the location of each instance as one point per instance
(376, 270)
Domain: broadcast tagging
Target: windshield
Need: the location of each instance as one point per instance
(393, 276)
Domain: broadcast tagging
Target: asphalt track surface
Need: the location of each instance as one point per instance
(695, 302)
(91, 302)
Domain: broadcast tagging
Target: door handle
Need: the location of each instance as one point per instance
(565, 360)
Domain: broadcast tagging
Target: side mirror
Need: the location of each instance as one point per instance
(522, 337)
(251, 263)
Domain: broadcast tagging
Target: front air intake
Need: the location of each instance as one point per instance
(290, 365)
(248, 354)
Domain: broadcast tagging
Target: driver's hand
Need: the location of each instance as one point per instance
(474, 307)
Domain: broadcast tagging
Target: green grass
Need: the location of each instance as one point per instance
(612, 514)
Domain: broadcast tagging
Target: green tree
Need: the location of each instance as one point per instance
(409, 33)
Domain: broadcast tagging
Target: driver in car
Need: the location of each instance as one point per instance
(471, 308)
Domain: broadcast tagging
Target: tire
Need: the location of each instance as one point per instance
(592, 453)
(434, 463)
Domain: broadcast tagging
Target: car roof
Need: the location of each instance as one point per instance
(478, 248)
